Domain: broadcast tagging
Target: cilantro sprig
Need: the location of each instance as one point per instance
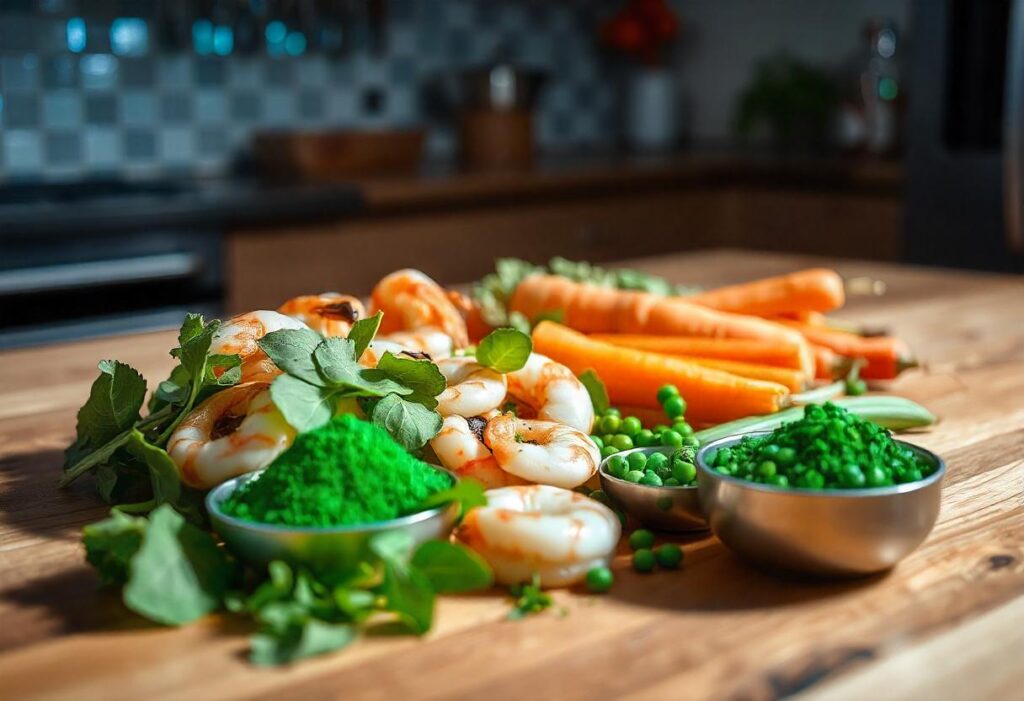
(320, 374)
(125, 450)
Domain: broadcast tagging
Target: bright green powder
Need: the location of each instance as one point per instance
(345, 472)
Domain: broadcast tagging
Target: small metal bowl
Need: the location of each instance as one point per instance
(339, 548)
(658, 508)
(824, 532)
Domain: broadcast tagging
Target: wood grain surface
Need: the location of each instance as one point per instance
(945, 623)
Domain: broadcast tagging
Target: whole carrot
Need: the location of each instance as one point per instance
(885, 356)
(633, 377)
(793, 380)
(594, 309)
(813, 290)
(745, 350)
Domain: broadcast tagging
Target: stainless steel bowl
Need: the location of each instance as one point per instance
(658, 508)
(339, 548)
(834, 532)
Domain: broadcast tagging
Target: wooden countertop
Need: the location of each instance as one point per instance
(444, 185)
(944, 624)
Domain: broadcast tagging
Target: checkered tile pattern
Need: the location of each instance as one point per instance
(65, 115)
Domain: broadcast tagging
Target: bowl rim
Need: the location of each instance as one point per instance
(219, 493)
(603, 473)
(892, 490)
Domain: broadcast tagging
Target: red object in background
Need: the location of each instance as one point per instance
(642, 29)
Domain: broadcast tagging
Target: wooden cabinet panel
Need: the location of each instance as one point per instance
(268, 266)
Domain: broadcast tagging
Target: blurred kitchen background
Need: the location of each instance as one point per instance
(223, 155)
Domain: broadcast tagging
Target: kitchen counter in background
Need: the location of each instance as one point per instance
(453, 224)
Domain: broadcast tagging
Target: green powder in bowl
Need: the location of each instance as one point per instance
(344, 473)
(829, 448)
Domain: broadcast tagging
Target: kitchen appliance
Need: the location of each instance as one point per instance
(72, 284)
(965, 142)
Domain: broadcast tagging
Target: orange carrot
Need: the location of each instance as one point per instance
(793, 380)
(813, 290)
(828, 365)
(633, 377)
(744, 350)
(594, 309)
(885, 356)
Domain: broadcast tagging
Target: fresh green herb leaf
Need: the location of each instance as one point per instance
(314, 637)
(529, 599)
(452, 568)
(411, 424)
(223, 370)
(111, 543)
(194, 340)
(363, 332)
(113, 404)
(336, 360)
(504, 350)
(421, 376)
(291, 350)
(392, 546)
(409, 595)
(596, 389)
(178, 573)
(467, 492)
(304, 406)
(166, 483)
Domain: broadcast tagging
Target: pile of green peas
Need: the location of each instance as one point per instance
(645, 556)
(614, 433)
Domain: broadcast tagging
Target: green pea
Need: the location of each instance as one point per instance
(785, 456)
(608, 438)
(631, 426)
(637, 461)
(913, 475)
(657, 461)
(622, 442)
(645, 439)
(683, 429)
(674, 407)
(644, 561)
(633, 476)
(651, 479)
(812, 479)
(670, 482)
(684, 471)
(876, 477)
(617, 466)
(669, 556)
(600, 580)
(666, 392)
(641, 538)
(857, 387)
(770, 451)
(778, 481)
(766, 469)
(612, 411)
(597, 441)
(610, 423)
(722, 457)
(691, 441)
(852, 476)
(659, 428)
(599, 495)
(608, 451)
(671, 439)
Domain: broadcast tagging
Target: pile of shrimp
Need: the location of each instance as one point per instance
(511, 432)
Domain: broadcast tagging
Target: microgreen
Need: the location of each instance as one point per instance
(504, 350)
(529, 599)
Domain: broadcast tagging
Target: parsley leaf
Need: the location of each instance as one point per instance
(291, 350)
(178, 573)
(362, 332)
(113, 406)
(410, 424)
(596, 389)
(452, 568)
(304, 406)
(504, 350)
(111, 543)
(529, 599)
(314, 637)
(422, 377)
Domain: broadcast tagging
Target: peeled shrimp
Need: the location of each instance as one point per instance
(330, 313)
(544, 452)
(434, 343)
(459, 448)
(235, 431)
(239, 335)
(553, 391)
(472, 388)
(411, 301)
(556, 533)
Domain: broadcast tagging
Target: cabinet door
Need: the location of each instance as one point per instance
(267, 266)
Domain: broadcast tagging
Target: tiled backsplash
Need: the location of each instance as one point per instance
(65, 114)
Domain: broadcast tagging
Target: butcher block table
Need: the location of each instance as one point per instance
(945, 623)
